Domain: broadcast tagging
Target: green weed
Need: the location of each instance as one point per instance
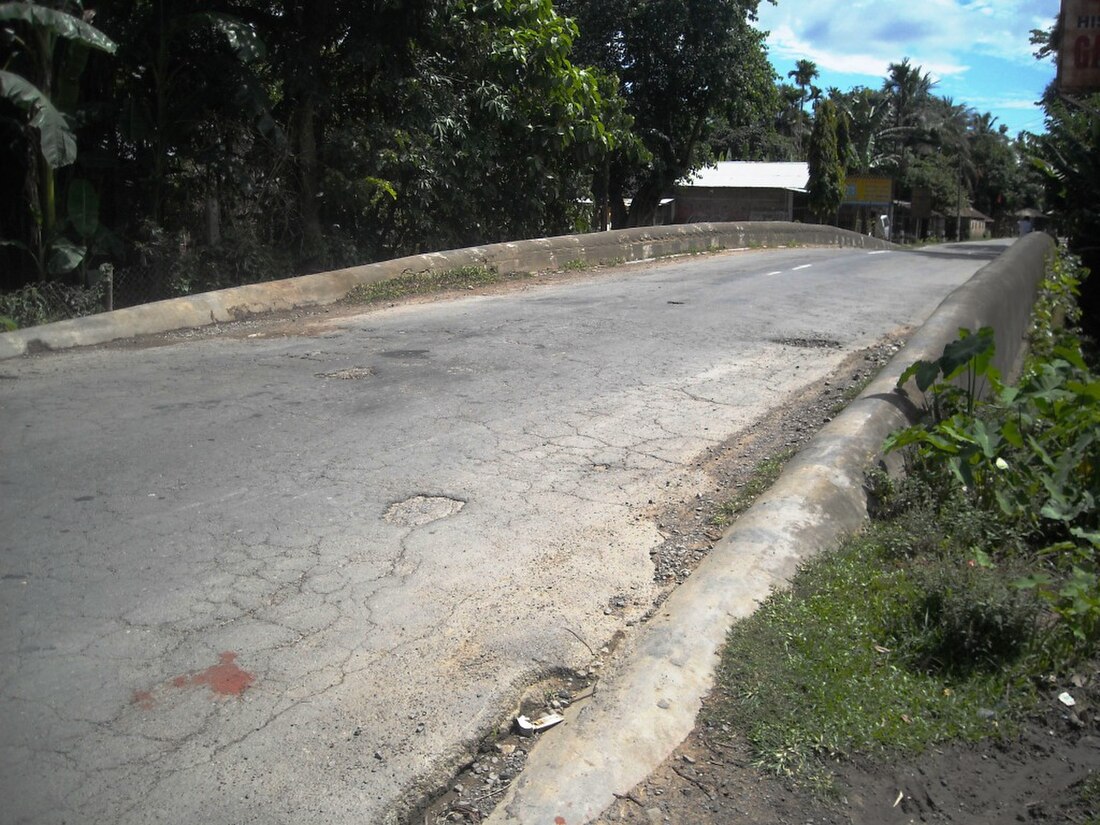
(845, 661)
(43, 303)
(763, 476)
(422, 283)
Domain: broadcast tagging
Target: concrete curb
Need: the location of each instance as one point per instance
(537, 255)
(647, 706)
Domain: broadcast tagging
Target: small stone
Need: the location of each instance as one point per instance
(459, 788)
(664, 704)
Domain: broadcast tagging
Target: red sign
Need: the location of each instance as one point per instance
(1079, 53)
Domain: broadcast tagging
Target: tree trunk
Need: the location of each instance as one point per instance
(305, 138)
(304, 84)
(212, 208)
(47, 180)
(644, 205)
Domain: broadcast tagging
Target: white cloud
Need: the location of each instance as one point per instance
(864, 36)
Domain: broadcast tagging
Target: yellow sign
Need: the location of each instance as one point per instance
(864, 191)
(1079, 53)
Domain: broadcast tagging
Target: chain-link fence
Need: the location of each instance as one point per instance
(42, 303)
(135, 285)
(48, 301)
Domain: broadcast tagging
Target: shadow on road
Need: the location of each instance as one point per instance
(968, 251)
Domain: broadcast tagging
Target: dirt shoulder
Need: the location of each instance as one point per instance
(1046, 773)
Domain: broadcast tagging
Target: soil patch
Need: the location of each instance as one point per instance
(1049, 771)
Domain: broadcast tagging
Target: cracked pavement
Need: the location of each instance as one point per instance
(280, 578)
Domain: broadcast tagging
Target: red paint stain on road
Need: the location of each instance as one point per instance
(143, 699)
(224, 679)
(559, 820)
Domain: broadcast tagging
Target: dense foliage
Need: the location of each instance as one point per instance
(826, 185)
(1025, 459)
(231, 141)
(683, 67)
(1068, 157)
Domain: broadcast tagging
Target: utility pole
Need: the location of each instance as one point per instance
(958, 203)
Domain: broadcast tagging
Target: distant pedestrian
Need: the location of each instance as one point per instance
(1023, 226)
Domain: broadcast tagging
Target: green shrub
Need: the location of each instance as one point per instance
(43, 303)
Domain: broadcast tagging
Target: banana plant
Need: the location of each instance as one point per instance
(45, 88)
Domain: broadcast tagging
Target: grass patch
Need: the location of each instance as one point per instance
(873, 649)
(763, 476)
(575, 265)
(427, 282)
(712, 247)
(1088, 796)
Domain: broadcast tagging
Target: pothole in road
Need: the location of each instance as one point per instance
(350, 374)
(405, 353)
(420, 510)
(808, 343)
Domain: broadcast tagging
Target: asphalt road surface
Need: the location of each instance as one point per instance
(289, 578)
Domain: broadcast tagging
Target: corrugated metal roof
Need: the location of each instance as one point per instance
(743, 174)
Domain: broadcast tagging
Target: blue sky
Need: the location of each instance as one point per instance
(978, 51)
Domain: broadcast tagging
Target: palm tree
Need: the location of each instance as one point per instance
(788, 121)
(909, 91)
(951, 133)
(870, 133)
(803, 75)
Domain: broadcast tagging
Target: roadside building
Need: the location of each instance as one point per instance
(972, 224)
(743, 191)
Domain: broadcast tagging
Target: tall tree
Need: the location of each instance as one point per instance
(680, 64)
(803, 74)
(909, 91)
(826, 184)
